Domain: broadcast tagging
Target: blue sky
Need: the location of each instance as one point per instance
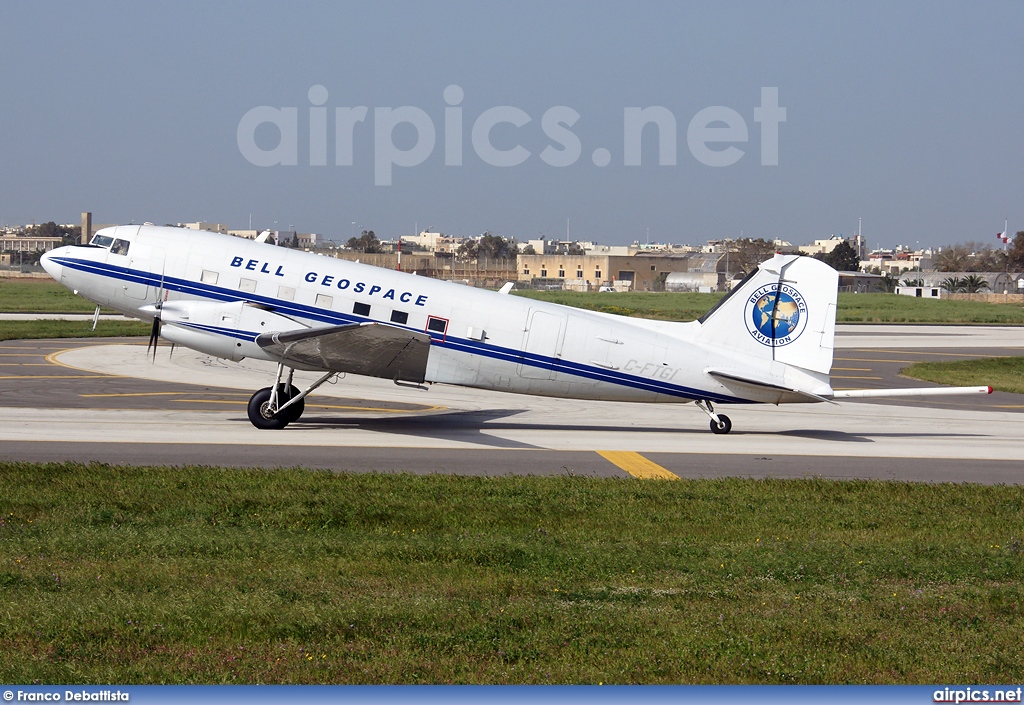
(909, 115)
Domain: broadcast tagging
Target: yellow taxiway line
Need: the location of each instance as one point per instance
(637, 465)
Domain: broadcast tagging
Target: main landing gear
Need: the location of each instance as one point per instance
(278, 406)
(720, 423)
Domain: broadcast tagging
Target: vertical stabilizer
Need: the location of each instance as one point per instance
(784, 311)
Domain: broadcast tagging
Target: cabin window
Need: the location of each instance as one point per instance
(437, 327)
(324, 301)
(248, 285)
(119, 247)
(209, 277)
(286, 292)
(361, 309)
(400, 317)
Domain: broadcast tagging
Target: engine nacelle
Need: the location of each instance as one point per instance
(226, 330)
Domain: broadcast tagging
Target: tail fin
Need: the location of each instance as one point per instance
(785, 310)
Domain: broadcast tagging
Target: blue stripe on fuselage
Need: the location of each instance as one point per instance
(216, 293)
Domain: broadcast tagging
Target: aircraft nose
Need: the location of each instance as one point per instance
(50, 263)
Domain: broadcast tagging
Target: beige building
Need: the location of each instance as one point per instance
(202, 225)
(483, 272)
(434, 241)
(640, 272)
(27, 243)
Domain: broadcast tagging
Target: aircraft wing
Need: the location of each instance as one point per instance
(371, 349)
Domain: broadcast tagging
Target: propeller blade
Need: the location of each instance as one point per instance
(154, 337)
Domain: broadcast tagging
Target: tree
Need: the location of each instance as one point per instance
(953, 285)
(745, 254)
(842, 258)
(68, 234)
(1015, 254)
(971, 257)
(366, 242)
(487, 247)
(497, 247)
(974, 284)
(889, 282)
(528, 250)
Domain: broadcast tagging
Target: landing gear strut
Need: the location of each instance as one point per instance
(277, 406)
(720, 423)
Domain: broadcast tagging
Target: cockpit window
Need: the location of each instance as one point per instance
(119, 247)
(101, 240)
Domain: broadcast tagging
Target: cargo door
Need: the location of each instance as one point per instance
(543, 345)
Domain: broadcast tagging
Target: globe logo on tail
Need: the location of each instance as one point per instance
(776, 315)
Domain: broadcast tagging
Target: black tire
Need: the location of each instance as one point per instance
(293, 412)
(259, 415)
(723, 426)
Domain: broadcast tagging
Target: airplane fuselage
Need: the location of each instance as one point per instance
(479, 338)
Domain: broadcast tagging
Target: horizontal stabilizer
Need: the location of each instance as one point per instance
(371, 349)
(912, 392)
(750, 380)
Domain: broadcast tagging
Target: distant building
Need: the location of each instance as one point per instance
(201, 225)
(998, 282)
(434, 241)
(921, 292)
(897, 260)
(28, 243)
(824, 247)
(640, 272)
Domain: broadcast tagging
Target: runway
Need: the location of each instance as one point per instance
(106, 401)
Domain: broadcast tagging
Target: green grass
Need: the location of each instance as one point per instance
(669, 307)
(45, 296)
(149, 575)
(40, 296)
(890, 308)
(25, 330)
(852, 308)
(1004, 374)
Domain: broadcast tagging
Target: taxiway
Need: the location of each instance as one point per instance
(106, 401)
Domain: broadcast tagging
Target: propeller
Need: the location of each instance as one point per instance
(154, 333)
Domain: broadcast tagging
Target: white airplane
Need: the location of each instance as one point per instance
(769, 341)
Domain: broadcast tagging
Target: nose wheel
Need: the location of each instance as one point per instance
(720, 423)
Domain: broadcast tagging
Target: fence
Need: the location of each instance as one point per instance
(989, 298)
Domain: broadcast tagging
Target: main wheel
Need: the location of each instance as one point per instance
(293, 412)
(260, 414)
(724, 425)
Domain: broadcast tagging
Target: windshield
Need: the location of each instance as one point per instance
(101, 240)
